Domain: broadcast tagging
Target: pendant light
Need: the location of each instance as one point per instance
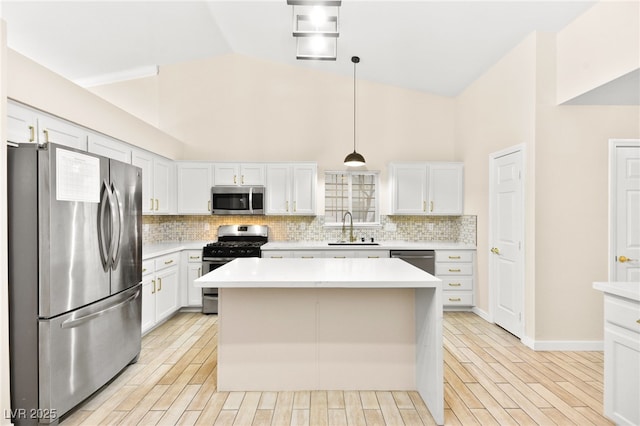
(354, 159)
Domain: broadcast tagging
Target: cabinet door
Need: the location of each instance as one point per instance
(162, 185)
(148, 302)
(144, 160)
(251, 174)
(225, 174)
(166, 292)
(277, 189)
(445, 189)
(109, 148)
(409, 189)
(194, 294)
(21, 124)
(621, 373)
(194, 186)
(58, 131)
(304, 190)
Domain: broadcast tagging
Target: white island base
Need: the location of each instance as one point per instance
(329, 324)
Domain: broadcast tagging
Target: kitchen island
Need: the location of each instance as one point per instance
(330, 324)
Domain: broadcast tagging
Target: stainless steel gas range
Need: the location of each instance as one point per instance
(233, 241)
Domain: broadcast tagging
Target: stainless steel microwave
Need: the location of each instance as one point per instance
(237, 200)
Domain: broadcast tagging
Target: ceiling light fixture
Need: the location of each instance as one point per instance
(315, 27)
(354, 159)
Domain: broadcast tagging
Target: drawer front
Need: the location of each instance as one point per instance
(167, 261)
(623, 313)
(195, 257)
(275, 254)
(373, 254)
(454, 256)
(457, 283)
(454, 269)
(147, 267)
(308, 254)
(457, 298)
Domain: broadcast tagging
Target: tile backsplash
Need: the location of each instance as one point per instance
(311, 228)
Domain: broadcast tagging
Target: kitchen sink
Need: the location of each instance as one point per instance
(355, 243)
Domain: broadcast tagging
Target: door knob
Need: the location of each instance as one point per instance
(623, 259)
(495, 250)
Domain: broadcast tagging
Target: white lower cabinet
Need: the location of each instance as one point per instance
(193, 263)
(160, 281)
(622, 360)
(455, 269)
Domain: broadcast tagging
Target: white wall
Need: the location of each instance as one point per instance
(598, 47)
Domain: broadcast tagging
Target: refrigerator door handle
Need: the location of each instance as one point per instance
(71, 323)
(120, 216)
(105, 252)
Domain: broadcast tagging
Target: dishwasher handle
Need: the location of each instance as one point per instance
(403, 256)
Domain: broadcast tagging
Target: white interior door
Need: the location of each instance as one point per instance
(506, 261)
(625, 211)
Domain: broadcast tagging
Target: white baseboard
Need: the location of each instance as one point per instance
(482, 314)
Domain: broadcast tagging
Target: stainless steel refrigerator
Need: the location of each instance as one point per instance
(75, 269)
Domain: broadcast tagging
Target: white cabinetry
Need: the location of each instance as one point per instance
(109, 147)
(622, 359)
(329, 253)
(426, 188)
(158, 182)
(194, 187)
(291, 189)
(455, 269)
(160, 279)
(193, 264)
(238, 174)
(25, 124)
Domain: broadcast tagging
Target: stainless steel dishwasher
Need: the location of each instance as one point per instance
(423, 259)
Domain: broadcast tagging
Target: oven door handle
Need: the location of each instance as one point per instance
(218, 260)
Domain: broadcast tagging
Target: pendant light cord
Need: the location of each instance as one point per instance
(355, 60)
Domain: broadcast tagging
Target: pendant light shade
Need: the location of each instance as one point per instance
(354, 159)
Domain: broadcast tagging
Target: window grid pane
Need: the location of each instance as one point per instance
(350, 191)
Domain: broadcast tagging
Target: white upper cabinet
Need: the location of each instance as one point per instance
(158, 182)
(109, 147)
(249, 174)
(291, 189)
(427, 189)
(194, 187)
(28, 125)
(58, 131)
(22, 124)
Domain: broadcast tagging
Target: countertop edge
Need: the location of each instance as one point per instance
(628, 290)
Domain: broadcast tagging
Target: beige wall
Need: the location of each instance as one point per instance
(5, 404)
(35, 85)
(599, 46)
(140, 97)
(566, 185)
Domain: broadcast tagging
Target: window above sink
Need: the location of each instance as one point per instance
(351, 191)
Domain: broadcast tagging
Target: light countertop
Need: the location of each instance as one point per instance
(383, 245)
(160, 249)
(318, 273)
(629, 290)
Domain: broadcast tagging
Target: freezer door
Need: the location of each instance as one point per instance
(126, 260)
(83, 350)
(70, 188)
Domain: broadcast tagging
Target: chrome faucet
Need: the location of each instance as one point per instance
(344, 218)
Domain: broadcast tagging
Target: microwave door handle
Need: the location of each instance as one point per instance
(251, 199)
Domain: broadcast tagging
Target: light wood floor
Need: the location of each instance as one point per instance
(490, 379)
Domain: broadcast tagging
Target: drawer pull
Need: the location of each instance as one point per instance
(454, 299)
(159, 284)
(307, 257)
(339, 257)
(454, 284)
(276, 257)
(194, 257)
(454, 270)
(638, 321)
(373, 257)
(154, 286)
(454, 257)
(168, 262)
